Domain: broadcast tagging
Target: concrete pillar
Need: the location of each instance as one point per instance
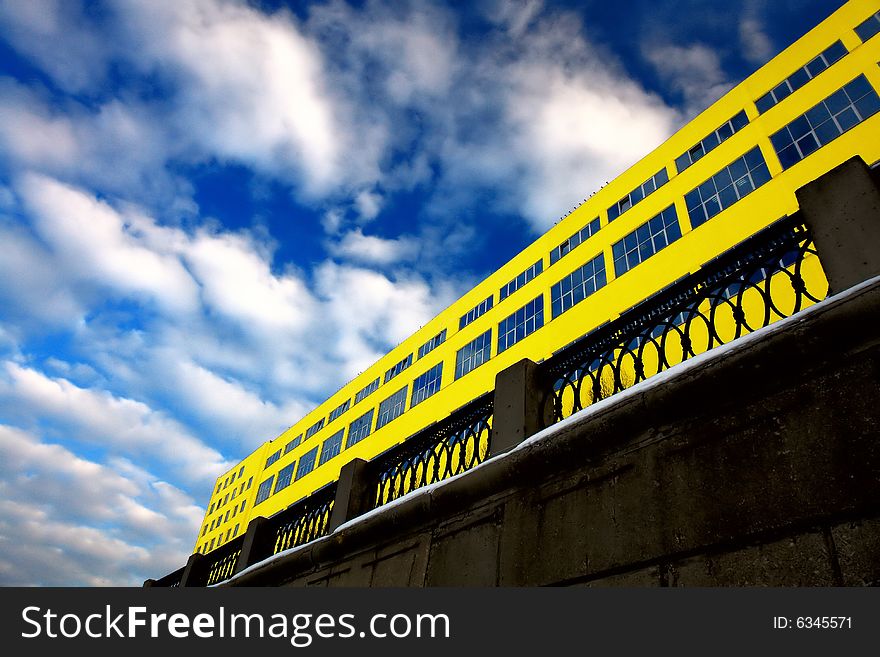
(256, 544)
(843, 210)
(193, 572)
(519, 406)
(354, 493)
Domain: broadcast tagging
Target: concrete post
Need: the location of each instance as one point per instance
(519, 406)
(192, 572)
(843, 210)
(353, 493)
(254, 547)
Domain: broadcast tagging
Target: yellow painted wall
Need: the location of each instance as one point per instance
(760, 208)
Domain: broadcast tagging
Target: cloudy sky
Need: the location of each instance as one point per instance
(213, 213)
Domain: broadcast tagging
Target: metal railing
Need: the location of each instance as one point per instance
(752, 285)
(300, 523)
(441, 450)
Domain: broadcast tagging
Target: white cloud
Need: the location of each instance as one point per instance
(368, 205)
(693, 70)
(69, 520)
(368, 311)
(117, 425)
(756, 45)
(92, 240)
(372, 250)
(250, 87)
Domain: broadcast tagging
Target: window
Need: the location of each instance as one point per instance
(577, 286)
(636, 195)
(732, 183)
(226, 517)
(240, 471)
(339, 410)
(264, 490)
(646, 240)
(235, 531)
(575, 240)
(365, 392)
(521, 279)
(473, 354)
(285, 475)
(212, 544)
(241, 490)
(426, 384)
(331, 447)
(845, 108)
(709, 142)
(523, 322)
(211, 510)
(273, 457)
(391, 408)
(869, 28)
(474, 312)
(433, 343)
(234, 493)
(293, 444)
(398, 368)
(234, 511)
(226, 499)
(242, 506)
(800, 77)
(360, 428)
(250, 481)
(228, 533)
(315, 428)
(205, 529)
(306, 463)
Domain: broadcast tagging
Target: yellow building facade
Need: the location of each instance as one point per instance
(725, 175)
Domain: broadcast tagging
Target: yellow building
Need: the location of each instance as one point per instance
(721, 178)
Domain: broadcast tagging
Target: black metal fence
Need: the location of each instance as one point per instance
(746, 288)
(443, 449)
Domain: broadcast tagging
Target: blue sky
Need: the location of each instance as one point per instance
(214, 213)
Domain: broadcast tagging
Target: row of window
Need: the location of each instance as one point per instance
(800, 77)
(575, 240)
(231, 478)
(477, 311)
(710, 141)
(221, 518)
(730, 184)
(220, 502)
(366, 391)
(232, 533)
(432, 344)
(648, 187)
(522, 278)
(398, 368)
(842, 110)
(339, 410)
(315, 428)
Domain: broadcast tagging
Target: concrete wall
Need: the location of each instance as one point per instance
(754, 466)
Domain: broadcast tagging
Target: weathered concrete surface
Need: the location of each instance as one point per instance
(758, 467)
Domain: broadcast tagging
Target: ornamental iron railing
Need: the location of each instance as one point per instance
(301, 522)
(222, 561)
(441, 450)
(754, 284)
